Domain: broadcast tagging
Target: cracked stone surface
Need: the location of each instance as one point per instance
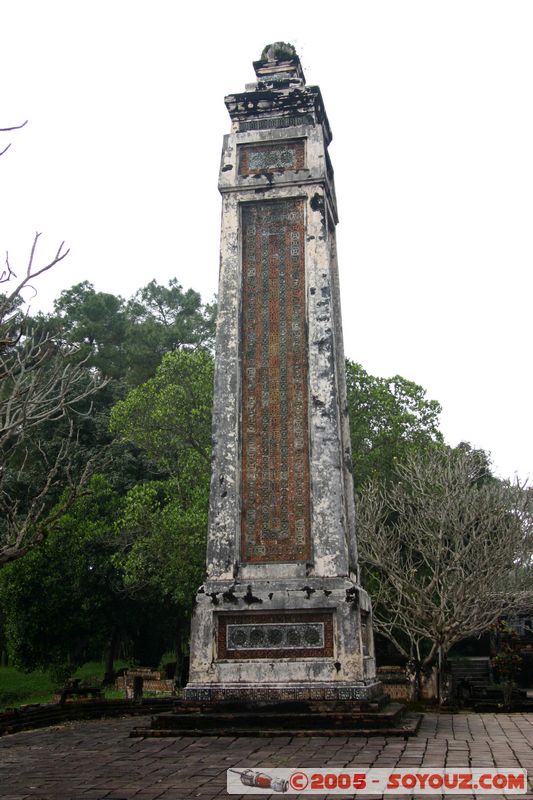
(96, 760)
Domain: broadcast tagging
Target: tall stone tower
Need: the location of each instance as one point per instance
(281, 615)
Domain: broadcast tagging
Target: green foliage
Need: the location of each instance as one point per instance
(163, 319)
(126, 340)
(508, 664)
(169, 417)
(389, 418)
(164, 522)
(60, 599)
(165, 541)
(97, 323)
(18, 687)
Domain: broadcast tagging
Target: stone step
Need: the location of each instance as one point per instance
(286, 721)
(293, 719)
(408, 727)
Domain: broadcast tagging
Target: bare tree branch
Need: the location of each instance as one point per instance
(447, 551)
(12, 128)
(43, 381)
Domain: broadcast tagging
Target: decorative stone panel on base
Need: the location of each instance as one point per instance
(280, 694)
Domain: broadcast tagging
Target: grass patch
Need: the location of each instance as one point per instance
(93, 671)
(17, 688)
(20, 688)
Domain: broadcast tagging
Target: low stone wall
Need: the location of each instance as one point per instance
(30, 717)
(153, 681)
(398, 685)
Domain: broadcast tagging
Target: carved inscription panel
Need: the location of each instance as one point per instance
(276, 635)
(271, 157)
(275, 518)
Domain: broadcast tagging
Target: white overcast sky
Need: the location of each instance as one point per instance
(430, 102)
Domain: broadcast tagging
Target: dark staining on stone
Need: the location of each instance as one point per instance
(327, 592)
(323, 344)
(229, 596)
(227, 167)
(310, 238)
(249, 597)
(224, 493)
(337, 665)
(270, 595)
(351, 595)
(309, 591)
(214, 597)
(317, 202)
(312, 290)
(325, 291)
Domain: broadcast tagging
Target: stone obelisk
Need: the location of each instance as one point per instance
(281, 615)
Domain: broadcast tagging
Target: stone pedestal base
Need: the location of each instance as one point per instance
(278, 641)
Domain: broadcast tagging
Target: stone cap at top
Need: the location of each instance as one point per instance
(279, 66)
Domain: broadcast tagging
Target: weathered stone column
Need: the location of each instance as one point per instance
(281, 615)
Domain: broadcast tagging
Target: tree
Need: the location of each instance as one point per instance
(164, 524)
(83, 610)
(43, 383)
(389, 418)
(96, 323)
(164, 319)
(446, 551)
(169, 416)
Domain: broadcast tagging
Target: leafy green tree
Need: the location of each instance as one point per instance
(164, 523)
(66, 602)
(169, 417)
(389, 419)
(164, 319)
(162, 552)
(96, 322)
(60, 603)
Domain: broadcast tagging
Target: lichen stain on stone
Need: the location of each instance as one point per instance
(249, 597)
(317, 202)
(229, 596)
(351, 595)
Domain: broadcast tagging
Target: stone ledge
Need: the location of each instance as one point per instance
(264, 693)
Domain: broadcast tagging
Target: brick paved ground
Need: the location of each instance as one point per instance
(97, 760)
